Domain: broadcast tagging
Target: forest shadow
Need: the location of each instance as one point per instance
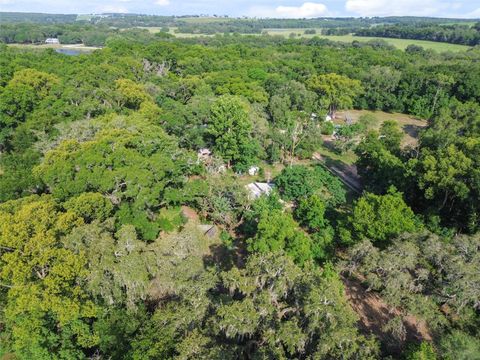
(412, 130)
(223, 257)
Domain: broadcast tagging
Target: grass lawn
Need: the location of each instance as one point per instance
(151, 29)
(347, 158)
(84, 17)
(202, 20)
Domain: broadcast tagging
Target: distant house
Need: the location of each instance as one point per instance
(258, 189)
(52, 41)
(328, 118)
(204, 154)
(253, 170)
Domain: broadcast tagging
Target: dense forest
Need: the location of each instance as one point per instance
(129, 228)
(37, 18)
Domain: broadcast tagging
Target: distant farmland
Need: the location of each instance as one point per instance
(398, 43)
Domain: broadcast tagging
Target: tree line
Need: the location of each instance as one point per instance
(454, 34)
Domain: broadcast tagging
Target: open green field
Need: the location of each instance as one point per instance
(398, 43)
(156, 29)
(202, 20)
(84, 17)
(151, 29)
(465, 23)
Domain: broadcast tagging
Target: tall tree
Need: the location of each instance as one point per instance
(382, 217)
(231, 129)
(335, 91)
(391, 136)
(278, 231)
(21, 96)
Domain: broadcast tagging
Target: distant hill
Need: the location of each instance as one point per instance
(16, 17)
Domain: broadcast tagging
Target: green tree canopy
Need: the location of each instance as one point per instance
(377, 166)
(231, 129)
(48, 311)
(298, 181)
(139, 168)
(278, 231)
(311, 212)
(382, 217)
(21, 96)
(335, 91)
(289, 313)
(391, 136)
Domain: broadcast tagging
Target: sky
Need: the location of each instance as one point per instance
(255, 8)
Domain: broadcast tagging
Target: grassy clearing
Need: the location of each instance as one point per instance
(464, 23)
(151, 29)
(410, 125)
(84, 17)
(172, 31)
(202, 20)
(347, 158)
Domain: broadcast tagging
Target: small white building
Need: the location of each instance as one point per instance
(204, 154)
(253, 170)
(258, 189)
(52, 41)
(328, 117)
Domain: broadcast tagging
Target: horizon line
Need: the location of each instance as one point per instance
(241, 17)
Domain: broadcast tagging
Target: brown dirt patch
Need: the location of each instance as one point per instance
(375, 313)
(189, 213)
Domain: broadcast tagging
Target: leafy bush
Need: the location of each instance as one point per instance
(298, 181)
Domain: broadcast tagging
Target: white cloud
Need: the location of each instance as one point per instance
(113, 9)
(162, 2)
(475, 14)
(396, 7)
(306, 10)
